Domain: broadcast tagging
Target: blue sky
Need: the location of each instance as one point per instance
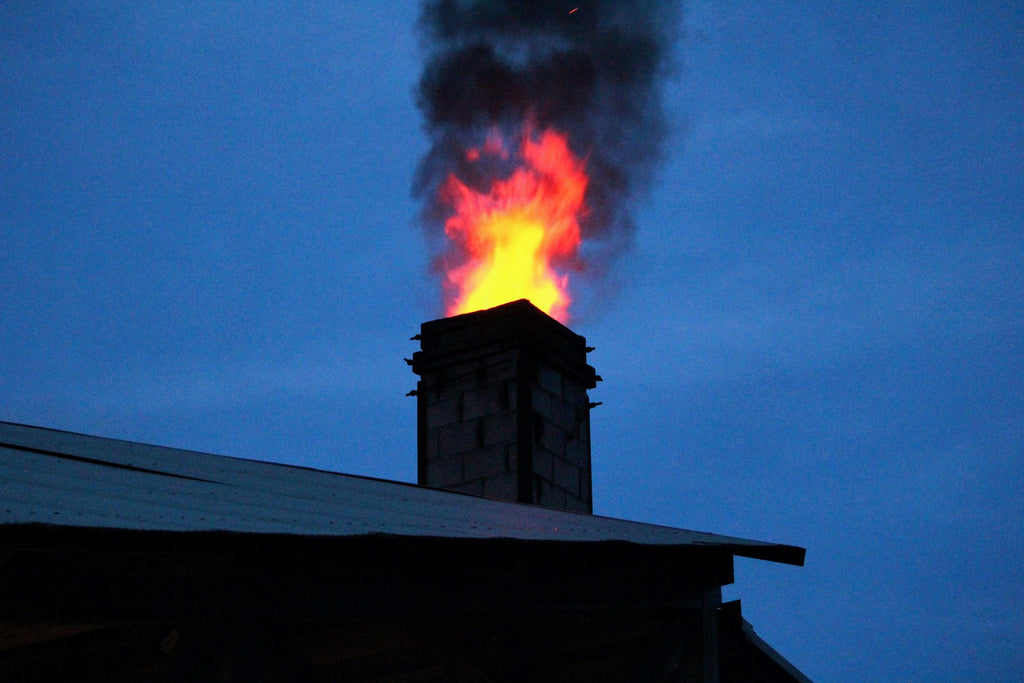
(209, 242)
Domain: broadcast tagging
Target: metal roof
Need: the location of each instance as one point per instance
(66, 479)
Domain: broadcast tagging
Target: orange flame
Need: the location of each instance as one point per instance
(514, 234)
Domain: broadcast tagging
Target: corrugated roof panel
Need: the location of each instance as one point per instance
(55, 477)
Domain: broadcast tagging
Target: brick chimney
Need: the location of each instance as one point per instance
(503, 408)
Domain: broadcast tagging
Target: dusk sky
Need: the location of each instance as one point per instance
(209, 241)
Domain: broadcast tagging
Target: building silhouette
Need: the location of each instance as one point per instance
(122, 561)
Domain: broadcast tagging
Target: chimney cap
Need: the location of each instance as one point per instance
(517, 325)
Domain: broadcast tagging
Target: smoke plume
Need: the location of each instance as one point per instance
(590, 69)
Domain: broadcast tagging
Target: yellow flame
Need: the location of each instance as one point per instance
(510, 236)
(513, 269)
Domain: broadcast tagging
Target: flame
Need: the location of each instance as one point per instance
(514, 235)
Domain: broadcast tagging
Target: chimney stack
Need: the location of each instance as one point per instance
(502, 407)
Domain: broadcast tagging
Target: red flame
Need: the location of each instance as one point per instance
(513, 236)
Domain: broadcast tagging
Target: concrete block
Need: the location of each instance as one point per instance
(442, 412)
(549, 378)
(567, 477)
(574, 504)
(574, 393)
(459, 437)
(544, 464)
(432, 443)
(548, 495)
(485, 400)
(551, 437)
(542, 400)
(502, 487)
(451, 374)
(498, 429)
(474, 487)
(445, 472)
(498, 368)
(485, 462)
(577, 452)
(566, 415)
(457, 386)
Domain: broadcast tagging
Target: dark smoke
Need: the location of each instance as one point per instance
(594, 74)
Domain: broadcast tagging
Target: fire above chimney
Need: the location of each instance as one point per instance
(503, 410)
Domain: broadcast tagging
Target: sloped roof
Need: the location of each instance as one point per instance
(66, 479)
(745, 656)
